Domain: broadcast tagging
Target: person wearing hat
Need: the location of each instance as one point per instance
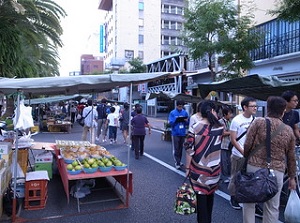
(179, 121)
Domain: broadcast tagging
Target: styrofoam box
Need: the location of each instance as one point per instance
(5, 147)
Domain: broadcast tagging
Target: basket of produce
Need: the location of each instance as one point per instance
(105, 168)
(74, 168)
(90, 169)
(118, 165)
(122, 167)
(90, 165)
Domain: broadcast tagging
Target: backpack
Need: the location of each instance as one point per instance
(101, 109)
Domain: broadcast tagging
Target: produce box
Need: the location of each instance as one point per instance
(5, 147)
(35, 128)
(5, 177)
(7, 158)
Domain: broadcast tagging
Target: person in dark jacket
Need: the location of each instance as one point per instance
(139, 122)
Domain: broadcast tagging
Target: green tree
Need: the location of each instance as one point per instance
(214, 28)
(288, 10)
(136, 66)
(29, 38)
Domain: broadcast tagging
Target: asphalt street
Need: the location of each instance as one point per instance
(155, 181)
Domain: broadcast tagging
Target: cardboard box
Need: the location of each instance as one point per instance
(5, 177)
(7, 158)
(5, 147)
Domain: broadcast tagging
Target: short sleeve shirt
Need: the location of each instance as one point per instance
(239, 125)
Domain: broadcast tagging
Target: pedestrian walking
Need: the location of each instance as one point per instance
(90, 119)
(291, 117)
(238, 130)
(138, 123)
(282, 156)
(225, 151)
(124, 121)
(112, 122)
(197, 116)
(102, 116)
(203, 159)
(178, 119)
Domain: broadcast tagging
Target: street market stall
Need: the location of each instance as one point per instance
(71, 85)
(259, 87)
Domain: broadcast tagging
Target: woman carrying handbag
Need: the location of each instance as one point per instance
(203, 147)
(282, 156)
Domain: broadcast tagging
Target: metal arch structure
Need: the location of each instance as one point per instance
(172, 63)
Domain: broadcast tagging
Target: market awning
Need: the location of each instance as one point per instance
(259, 87)
(76, 84)
(174, 96)
(35, 101)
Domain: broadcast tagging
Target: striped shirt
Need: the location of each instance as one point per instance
(205, 149)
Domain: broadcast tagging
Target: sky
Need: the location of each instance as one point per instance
(81, 32)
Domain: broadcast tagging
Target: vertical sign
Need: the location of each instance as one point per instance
(102, 41)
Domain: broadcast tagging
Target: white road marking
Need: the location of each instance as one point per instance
(218, 192)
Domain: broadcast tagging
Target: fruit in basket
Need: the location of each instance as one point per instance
(91, 161)
(104, 160)
(100, 163)
(94, 165)
(118, 163)
(69, 167)
(78, 167)
(86, 165)
(74, 163)
(108, 163)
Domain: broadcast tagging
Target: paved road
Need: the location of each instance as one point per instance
(155, 183)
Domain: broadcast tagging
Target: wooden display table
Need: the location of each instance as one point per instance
(61, 127)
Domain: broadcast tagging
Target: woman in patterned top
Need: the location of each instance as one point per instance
(203, 149)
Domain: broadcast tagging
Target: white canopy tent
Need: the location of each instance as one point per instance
(75, 84)
(69, 86)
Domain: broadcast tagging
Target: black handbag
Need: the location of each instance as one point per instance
(81, 120)
(261, 185)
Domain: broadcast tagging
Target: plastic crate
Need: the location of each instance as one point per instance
(35, 204)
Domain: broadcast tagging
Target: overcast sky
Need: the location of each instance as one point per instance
(81, 32)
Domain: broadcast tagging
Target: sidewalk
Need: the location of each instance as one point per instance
(158, 122)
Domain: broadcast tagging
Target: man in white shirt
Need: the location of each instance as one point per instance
(90, 113)
(238, 130)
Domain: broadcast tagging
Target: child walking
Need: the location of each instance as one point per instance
(112, 122)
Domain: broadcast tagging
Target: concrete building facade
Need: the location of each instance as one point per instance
(139, 28)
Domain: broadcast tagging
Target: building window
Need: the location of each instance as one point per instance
(141, 38)
(280, 37)
(141, 55)
(129, 54)
(141, 22)
(141, 6)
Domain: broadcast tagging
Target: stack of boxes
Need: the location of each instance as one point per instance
(44, 161)
(6, 154)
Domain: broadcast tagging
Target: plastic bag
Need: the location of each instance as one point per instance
(291, 213)
(24, 120)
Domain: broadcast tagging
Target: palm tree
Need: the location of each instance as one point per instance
(29, 38)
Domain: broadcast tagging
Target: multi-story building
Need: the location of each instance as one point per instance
(90, 64)
(279, 52)
(139, 28)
